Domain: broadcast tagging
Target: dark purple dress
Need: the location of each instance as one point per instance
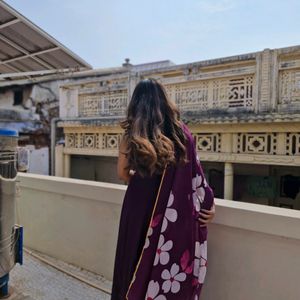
(134, 221)
(161, 250)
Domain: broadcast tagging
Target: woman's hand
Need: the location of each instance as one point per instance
(207, 215)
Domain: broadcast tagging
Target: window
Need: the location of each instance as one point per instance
(289, 186)
(18, 97)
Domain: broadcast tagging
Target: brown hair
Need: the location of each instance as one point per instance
(153, 132)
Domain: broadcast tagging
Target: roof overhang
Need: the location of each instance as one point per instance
(26, 50)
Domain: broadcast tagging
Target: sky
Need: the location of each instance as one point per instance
(104, 33)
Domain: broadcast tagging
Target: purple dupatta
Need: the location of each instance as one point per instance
(173, 261)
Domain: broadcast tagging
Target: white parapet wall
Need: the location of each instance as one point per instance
(253, 253)
(253, 250)
(71, 219)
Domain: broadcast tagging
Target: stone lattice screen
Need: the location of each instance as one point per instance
(219, 93)
(93, 140)
(289, 86)
(99, 104)
(264, 143)
(201, 95)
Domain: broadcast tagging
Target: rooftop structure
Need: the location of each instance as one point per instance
(28, 51)
(37, 280)
(27, 54)
(253, 250)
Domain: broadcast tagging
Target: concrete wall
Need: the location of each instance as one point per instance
(253, 250)
(38, 160)
(253, 253)
(71, 219)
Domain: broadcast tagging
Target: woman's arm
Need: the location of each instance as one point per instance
(123, 174)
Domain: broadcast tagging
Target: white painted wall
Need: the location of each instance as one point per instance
(38, 160)
(68, 103)
(7, 99)
(253, 250)
(71, 219)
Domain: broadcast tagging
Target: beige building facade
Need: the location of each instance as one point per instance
(244, 113)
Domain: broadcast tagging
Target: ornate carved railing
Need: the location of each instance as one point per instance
(201, 95)
(103, 104)
(293, 143)
(209, 142)
(220, 93)
(262, 143)
(289, 86)
(256, 143)
(95, 141)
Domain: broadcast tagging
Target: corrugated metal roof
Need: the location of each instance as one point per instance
(24, 47)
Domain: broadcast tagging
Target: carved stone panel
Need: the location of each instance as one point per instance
(85, 140)
(208, 142)
(256, 143)
(103, 104)
(289, 86)
(221, 93)
(293, 143)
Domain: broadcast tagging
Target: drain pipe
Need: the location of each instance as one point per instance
(53, 142)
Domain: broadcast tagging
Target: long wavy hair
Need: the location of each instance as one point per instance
(153, 133)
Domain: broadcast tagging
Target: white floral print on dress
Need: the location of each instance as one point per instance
(172, 279)
(200, 261)
(170, 214)
(198, 192)
(204, 179)
(153, 290)
(162, 254)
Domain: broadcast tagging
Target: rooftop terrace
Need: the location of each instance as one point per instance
(253, 250)
(45, 278)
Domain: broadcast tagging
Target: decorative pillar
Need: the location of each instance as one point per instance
(59, 161)
(264, 80)
(228, 181)
(227, 143)
(67, 165)
(275, 80)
